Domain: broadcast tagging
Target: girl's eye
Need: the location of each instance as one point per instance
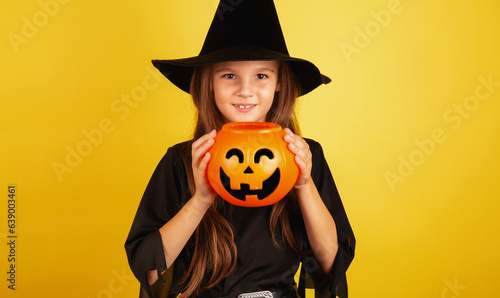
(229, 76)
(261, 76)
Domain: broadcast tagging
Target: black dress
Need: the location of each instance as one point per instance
(261, 265)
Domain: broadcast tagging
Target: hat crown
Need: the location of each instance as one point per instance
(245, 23)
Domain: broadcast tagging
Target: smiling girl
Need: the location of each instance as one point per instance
(185, 232)
(244, 90)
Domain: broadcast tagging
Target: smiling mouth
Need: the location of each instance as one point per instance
(268, 186)
(243, 106)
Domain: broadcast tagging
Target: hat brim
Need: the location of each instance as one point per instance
(180, 71)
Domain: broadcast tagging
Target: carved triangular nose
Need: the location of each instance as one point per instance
(248, 171)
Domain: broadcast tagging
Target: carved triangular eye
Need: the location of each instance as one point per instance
(235, 152)
(263, 152)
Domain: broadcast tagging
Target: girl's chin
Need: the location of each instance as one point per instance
(243, 120)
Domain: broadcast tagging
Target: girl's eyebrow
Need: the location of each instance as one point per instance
(223, 69)
(265, 69)
(231, 69)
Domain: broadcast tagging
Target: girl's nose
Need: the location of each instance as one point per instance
(246, 89)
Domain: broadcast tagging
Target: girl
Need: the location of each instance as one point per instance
(206, 247)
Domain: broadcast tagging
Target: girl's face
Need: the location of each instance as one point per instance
(244, 90)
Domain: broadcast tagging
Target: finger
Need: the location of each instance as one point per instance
(292, 143)
(303, 168)
(200, 146)
(204, 162)
(297, 145)
(199, 154)
(302, 153)
(205, 146)
(289, 135)
(304, 157)
(203, 139)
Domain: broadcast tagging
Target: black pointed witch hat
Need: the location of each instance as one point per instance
(244, 30)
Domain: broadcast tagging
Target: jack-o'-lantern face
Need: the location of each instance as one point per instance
(258, 176)
(252, 166)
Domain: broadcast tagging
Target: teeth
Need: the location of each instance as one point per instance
(243, 107)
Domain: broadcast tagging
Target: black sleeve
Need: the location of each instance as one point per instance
(325, 184)
(161, 201)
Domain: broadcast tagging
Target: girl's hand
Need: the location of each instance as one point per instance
(303, 157)
(200, 155)
(320, 225)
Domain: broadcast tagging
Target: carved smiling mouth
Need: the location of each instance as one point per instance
(268, 186)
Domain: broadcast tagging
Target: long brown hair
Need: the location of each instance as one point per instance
(215, 251)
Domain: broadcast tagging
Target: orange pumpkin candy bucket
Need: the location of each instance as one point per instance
(251, 165)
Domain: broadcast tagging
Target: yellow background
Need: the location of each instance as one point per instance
(419, 180)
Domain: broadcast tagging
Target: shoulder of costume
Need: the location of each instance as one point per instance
(312, 143)
(174, 153)
(181, 146)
